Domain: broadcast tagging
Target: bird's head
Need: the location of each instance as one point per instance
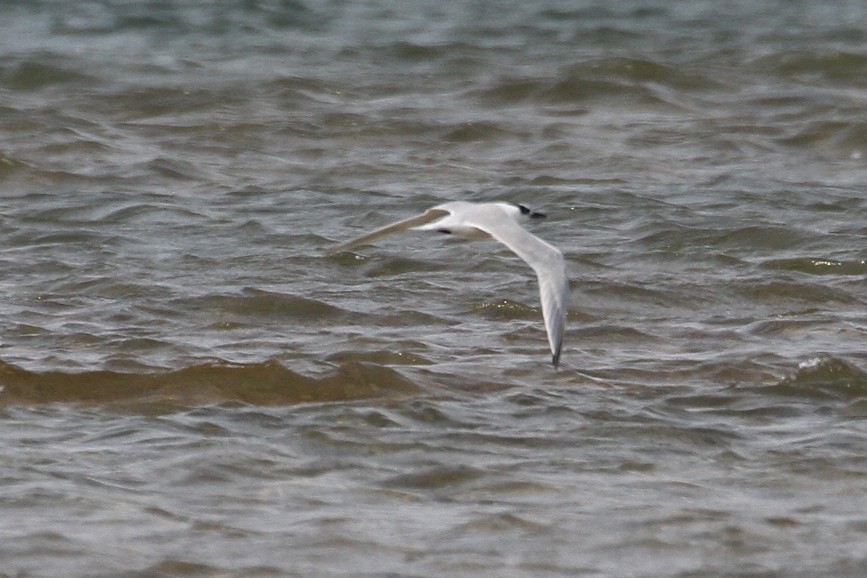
(526, 212)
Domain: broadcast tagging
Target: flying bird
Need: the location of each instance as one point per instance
(502, 221)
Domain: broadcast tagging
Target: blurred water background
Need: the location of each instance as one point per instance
(190, 388)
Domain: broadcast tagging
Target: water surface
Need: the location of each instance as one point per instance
(189, 387)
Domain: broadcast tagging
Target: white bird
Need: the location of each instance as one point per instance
(502, 222)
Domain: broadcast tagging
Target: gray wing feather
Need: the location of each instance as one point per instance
(426, 217)
(550, 267)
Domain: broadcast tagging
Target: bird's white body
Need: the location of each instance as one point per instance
(502, 221)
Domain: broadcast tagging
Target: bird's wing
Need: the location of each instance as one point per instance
(548, 263)
(426, 217)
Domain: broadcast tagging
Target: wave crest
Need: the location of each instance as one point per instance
(267, 383)
(825, 376)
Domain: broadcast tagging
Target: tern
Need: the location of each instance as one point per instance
(502, 221)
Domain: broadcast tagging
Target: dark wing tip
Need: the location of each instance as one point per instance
(555, 359)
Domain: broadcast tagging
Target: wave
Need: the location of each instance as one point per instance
(829, 65)
(258, 303)
(35, 74)
(627, 79)
(818, 266)
(824, 376)
(266, 383)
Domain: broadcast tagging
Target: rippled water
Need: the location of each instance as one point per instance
(189, 387)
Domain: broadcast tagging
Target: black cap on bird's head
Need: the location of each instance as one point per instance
(525, 210)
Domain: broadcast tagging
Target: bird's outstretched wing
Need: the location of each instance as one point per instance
(490, 219)
(426, 217)
(548, 263)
